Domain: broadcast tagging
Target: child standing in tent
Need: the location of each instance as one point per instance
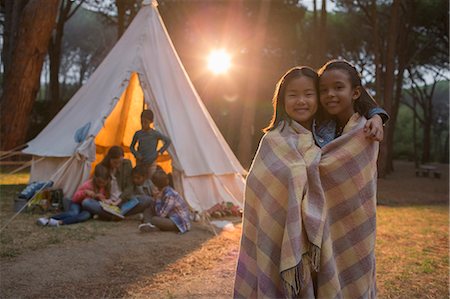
(97, 188)
(147, 139)
(172, 212)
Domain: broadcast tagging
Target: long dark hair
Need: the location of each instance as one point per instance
(279, 111)
(114, 152)
(101, 172)
(365, 102)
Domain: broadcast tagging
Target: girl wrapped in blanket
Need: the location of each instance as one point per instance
(96, 188)
(285, 213)
(348, 174)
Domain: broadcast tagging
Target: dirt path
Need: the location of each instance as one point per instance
(126, 263)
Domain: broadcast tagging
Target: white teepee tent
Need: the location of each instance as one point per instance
(106, 111)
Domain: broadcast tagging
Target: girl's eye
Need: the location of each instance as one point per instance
(309, 95)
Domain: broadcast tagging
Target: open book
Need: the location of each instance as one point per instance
(111, 209)
(127, 206)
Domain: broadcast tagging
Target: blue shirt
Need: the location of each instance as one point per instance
(172, 206)
(326, 132)
(147, 145)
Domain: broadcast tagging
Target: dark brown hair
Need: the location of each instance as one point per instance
(160, 179)
(365, 102)
(101, 172)
(114, 152)
(279, 111)
(147, 114)
(141, 170)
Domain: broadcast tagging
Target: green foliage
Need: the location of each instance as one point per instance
(403, 138)
(291, 37)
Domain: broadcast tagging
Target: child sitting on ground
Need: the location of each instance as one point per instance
(147, 139)
(172, 212)
(141, 193)
(96, 188)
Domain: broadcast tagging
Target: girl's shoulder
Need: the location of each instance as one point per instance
(88, 184)
(169, 191)
(272, 135)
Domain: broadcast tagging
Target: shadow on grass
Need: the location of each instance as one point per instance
(109, 259)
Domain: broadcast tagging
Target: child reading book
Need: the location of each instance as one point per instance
(97, 188)
(172, 212)
(138, 197)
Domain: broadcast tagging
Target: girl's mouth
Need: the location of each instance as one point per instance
(332, 104)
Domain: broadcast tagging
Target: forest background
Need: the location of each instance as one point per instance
(51, 47)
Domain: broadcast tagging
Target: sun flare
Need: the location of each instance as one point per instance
(219, 61)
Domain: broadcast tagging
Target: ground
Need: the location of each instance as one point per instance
(113, 260)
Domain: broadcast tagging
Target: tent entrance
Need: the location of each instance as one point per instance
(124, 120)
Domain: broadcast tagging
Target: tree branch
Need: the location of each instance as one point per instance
(74, 10)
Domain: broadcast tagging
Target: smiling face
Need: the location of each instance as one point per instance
(300, 100)
(337, 94)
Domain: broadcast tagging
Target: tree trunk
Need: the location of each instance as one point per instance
(388, 92)
(416, 156)
(248, 116)
(428, 120)
(377, 53)
(394, 114)
(22, 80)
(13, 11)
(315, 47)
(445, 155)
(426, 153)
(54, 50)
(120, 18)
(323, 33)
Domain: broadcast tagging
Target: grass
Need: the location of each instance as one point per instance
(412, 252)
(13, 179)
(23, 235)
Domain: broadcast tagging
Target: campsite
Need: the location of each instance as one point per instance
(412, 219)
(354, 187)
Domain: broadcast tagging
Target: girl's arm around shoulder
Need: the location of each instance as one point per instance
(373, 129)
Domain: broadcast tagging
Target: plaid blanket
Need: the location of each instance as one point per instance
(283, 217)
(296, 223)
(348, 173)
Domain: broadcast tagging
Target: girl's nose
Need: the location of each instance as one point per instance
(301, 100)
(330, 92)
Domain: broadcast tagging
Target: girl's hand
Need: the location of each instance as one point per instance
(100, 196)
(89, 193)
(116, 202)
(107, 201)
(156, 193)
(374, 128)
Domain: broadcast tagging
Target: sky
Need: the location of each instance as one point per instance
(309, 4)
